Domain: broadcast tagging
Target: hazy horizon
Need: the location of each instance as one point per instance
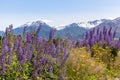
(56, 13)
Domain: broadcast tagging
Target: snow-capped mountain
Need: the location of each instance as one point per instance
(77, 30)
(87, 24)
(91, 24)
(34, 23)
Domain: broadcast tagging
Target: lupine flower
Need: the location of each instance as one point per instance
(35, 63)
(30, 55)
(3, 65)
(52, 49)
(51, 69)
(23, 58)
(93, 30)
(66, 55)
(24, 30)
(39, 27)
(114, 34)
(16, 44)
(10, 59)
(98, 29)
(29, 38)
(5, 47)
(86, 36)
(100, 36)
(51, 34)
(91, 34)
(104, 30)
(10, 28)
(58, 49)
(7, 31)
(35, 74)
(20, 53)
(109, 32)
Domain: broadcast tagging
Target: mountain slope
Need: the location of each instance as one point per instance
(115, 24)
(73, 30)
(44, 32)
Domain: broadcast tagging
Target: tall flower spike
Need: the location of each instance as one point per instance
(66, 55)
(114, 34)
(51, 34)
(98, 30)
(100, 36)
(51, 69)
(91, 34)
(86, 36)
(39, 27)
(7, 31)
(10, 27)
(24, 30)
(93, 30)
(109, 32)
(58, 49)
(29, 36)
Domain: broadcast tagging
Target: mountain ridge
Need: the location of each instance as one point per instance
(77, 30)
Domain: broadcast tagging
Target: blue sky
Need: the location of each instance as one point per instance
(56, 12)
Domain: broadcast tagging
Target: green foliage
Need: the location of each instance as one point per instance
(102, 66)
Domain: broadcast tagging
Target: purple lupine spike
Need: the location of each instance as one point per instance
(10, 59)
(41, 63)
(3, 65)
(52, 49)
(51, 69)
(98, 29)
(66, 55)
(7, 31)
(93, 30)
(108, 39)
(63, 73)
(100, 36)
(51, 34)
(39, 27)
(16, 44)
(35, 75)
(80, 43)
(91, 34)
(10, 27)
(86, 36)
(4, 40)
(23, 58)
(11, 54)
(30, 55)
(58, 49)
(20, 53)
(104, 30)
(114, 34)
(118, 45)
(35, 63)
(89, 42)
(5, 47)
(24, 30)
(109, 32)
(113, 43)
(46, 49)
(29, 37)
